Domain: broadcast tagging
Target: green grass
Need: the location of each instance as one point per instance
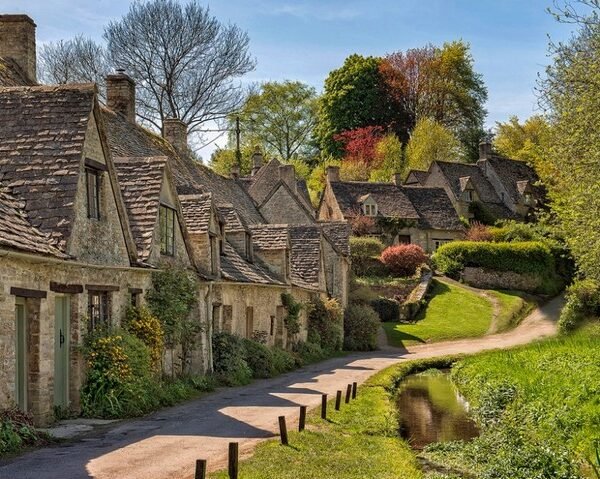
(453, 312)
(384, 281)
(514, 306)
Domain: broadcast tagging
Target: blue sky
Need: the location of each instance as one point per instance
(305, 39)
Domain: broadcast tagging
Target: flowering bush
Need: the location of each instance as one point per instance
(145, 326)
(403, 259)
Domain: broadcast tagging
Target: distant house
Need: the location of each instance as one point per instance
(497, 187)
(399, 214)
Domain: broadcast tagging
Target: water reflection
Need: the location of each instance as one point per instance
(431, 410)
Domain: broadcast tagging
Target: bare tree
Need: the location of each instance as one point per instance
(73, 61)
(184, 61)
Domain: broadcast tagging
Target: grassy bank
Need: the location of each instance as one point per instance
(514, 306)
(453, 312)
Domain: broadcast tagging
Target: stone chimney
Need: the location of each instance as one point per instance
(397, 179)
(175, 132)
(235, 172)
(17, 42)
(257, 161)
(485, 150)
(333, 174)
(287, 174)
(120, 94)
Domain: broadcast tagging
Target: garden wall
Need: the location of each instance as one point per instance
(489, 279)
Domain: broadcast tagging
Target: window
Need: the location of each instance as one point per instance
(528, 199)
(92, 179)
(439, 242)
(249, 255)
(166, 217)
(272, 329)
(403, 239)
(468, 196)
(370, 210)
(134, 297)
(98, 309)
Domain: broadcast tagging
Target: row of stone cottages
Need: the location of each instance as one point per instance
(91, 204)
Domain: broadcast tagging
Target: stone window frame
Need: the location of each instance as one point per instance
(93, 192)
(166, 220)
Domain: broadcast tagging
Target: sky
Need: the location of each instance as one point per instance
(306, 39)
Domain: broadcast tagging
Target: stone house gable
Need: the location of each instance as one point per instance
(284, 206)
(272, 245)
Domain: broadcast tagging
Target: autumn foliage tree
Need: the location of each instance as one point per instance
(403, 259)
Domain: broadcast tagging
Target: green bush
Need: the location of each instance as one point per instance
(16, 431)
(583, 301)
(229, 361)
(309, 352)
(259, 359)
(365, 253)
(325, 324)
(361, 324)
(283, 361)
(387, 309)
(532, 257)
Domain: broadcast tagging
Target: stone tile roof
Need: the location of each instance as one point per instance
(339, 233)
(11, 74)
(270, 236)
(42, 132)
(234, 222)
(511, 173)
(391, 201)
(16, 232)
(455, 171)
(235, 268)
(140, 179)
(305, 254)
(196, 212)
(434, 208)
(419, 175)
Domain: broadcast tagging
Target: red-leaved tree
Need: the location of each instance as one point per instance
(359, 144)
(403, 259)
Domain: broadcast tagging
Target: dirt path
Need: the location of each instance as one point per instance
(166, 444)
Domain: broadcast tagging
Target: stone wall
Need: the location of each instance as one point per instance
(281, 208)
(337, 272)
(489, 279)
(329, 209)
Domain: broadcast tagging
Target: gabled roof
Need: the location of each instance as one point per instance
(338, 232)
(434, 208)
(391, 201)
(11, 74)
(16, 232)
(417, 176)
(234, 222)
(270, 237)
(196, 211)
(141, 180)
(306, 254)
(235, 268)
(455, 171)
(511, 172)
(42, 132)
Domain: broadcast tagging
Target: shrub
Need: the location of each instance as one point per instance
(583, 300)
(309, 352)
(481, 213)
(292, 319)
(387, 309)
(259, 359)
(325, 324)
(361, 324)
(16, 431)
(362, 252)
(479, 232)
(362, 225)
(283, 361)
(403, 259)
(229, 363)
(145, 326)
(531, 257)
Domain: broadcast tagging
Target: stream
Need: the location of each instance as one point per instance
(432, 410)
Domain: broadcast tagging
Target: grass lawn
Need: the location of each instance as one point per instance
(453, 312)
(514, 306)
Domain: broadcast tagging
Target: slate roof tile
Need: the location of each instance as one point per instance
(235, 268)
(196, 211)
(305, 253)
(11, 74)
(511, 173)
(339, 233)
(270, 236)
(434, 208)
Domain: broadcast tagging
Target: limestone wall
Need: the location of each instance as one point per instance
(489, 279)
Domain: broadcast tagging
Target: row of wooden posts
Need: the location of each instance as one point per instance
(234, 446)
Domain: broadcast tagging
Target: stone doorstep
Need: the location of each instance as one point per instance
(71, 428)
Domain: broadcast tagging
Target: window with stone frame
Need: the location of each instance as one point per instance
(98, 309)
(370, 209)
(166, 218)
(468, 196)
(93, 184)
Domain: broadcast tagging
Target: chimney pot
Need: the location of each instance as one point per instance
(17, 42)
(120, 94)
(485, 150)
(257, 161)
(175, 132)
(333, 174)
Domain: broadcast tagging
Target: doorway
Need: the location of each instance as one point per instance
(62, 317)
(21, 354)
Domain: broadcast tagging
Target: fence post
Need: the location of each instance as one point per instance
(283, 430)
(233, 460)
(338, 400)
(354, 388)
(323, 406)
(200, 469)
(348, 393)
(302, 420)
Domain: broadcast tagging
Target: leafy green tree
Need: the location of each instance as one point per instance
(223, 159)
(431, 141)
(355, 96)
(523, 141)
(280, 117)
(391, 158)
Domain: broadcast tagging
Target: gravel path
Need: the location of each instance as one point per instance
(166, 444)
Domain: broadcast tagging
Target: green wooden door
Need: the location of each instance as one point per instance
(21, 354)
(61, 351)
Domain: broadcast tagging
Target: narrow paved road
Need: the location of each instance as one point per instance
(166, 444)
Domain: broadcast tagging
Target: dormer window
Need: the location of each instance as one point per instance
(166, 218)
(92, 180)
(370, 210)
(527, 199)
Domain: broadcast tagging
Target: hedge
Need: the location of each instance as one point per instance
(528, 257)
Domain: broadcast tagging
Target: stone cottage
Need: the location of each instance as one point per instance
(397, 213)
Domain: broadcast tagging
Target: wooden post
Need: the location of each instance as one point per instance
(302, 420)
(323, 406)
(283, 430)
(338, 400)
(348, 393)
(354, 388)
(233, 460)
(200, 469)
